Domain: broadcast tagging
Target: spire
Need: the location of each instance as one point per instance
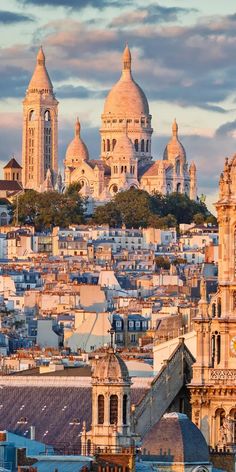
(40, 79)
(127, 58)
(41, 57)
(192, 167)
(77, 127)
(175, 128)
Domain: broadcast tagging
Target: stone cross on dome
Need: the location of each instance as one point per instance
(112, 332)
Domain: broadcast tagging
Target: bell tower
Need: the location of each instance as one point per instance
(39, 140)
(110, 405)
(213, 387)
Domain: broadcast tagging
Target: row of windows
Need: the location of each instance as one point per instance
(123, 169)
(113, 409)
(132, 324)
(142, 121)
(142, 145)
(32, 115)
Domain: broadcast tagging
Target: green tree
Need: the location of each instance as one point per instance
(48, 209)
(134, 206)
(162, 262)
(198, 218)
(108, 214)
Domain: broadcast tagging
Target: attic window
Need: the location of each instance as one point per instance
(22, 420)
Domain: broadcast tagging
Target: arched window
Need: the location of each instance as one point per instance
(113, 144)
(3, 219)
(122, 169)
(213, 310)
(108, 145)
(219, 426)
(47, 116)
(125, 168)
(31, 115)
(147, 146)
(232, 425)
(219, 308)
(218, 348)
(113, 409)
(213, 350)
(136, 145)
(89, 447)
(125, 409)
(178, 188)
(177, 167)
(103, 145)
(142, 145)
(100, 409)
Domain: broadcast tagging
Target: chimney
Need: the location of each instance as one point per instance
(32, 432)
(3, 436)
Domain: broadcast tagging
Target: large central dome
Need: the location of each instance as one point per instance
(126, 98)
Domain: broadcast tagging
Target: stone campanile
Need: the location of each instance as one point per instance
(40, 135)
(213, 387)
(111, 409)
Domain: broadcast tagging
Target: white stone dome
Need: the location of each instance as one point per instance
(124, 147)
(126, 97)
(174, 148)
(77, 150)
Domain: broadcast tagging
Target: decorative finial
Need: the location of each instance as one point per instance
(175, 128)
(77, 127)
(112, 332)
(126, 58)
(41, 56)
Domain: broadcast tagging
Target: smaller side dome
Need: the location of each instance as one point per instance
(77, 150)
(174, 148)
(124, 147)
(111, 368)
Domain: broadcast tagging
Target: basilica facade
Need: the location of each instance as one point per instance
(125, 159)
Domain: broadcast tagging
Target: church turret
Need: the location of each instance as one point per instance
(13, 171)
(213, 391)
(111, 425)
(40, 140)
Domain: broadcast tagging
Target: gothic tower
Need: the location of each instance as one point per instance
(213, 387)
(39, 141)
(110, 405)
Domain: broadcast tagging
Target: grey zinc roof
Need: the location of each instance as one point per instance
(65, 464)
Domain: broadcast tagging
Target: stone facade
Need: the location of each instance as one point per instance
(40, 139)
(126, 156)
(111, 425)
(213, 386)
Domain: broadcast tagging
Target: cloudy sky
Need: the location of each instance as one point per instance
(183, 55)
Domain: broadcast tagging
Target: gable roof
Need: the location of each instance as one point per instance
(12, 164)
